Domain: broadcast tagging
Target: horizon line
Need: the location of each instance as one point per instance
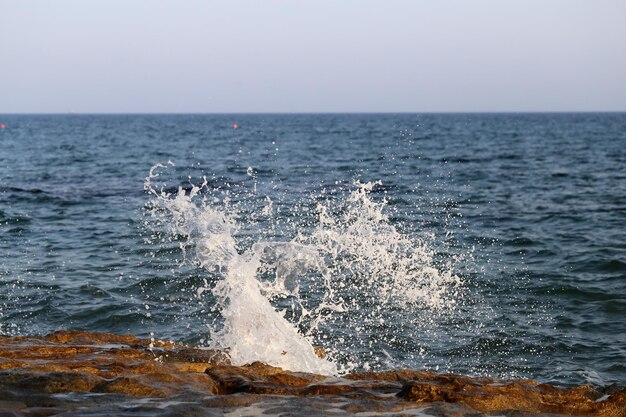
(76, 113)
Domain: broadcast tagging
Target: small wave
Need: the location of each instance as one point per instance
(21, 190)
(605, 265)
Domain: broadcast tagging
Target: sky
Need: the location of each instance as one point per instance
(204, 56)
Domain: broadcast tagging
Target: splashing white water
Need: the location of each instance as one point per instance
(344, 274)
(253, 330)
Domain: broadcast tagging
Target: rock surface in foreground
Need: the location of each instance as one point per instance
(96, 374)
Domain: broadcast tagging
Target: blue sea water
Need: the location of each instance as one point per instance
(527, 210)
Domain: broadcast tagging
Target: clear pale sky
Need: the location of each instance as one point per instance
(312, 56)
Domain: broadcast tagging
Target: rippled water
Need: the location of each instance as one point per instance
(528, 211)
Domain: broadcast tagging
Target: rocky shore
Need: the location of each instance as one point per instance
(98, 374)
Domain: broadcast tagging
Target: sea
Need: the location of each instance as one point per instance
(477, 244)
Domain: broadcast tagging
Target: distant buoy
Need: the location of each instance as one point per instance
(235, 126)
(2, 125)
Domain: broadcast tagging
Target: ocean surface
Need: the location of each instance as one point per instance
(480, 244)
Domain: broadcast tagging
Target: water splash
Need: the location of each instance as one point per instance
(343, 283)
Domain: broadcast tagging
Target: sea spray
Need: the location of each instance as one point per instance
(253, 330)
(345, 282)
(377, 280)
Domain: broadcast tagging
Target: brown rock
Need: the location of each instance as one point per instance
(203, 356)
(134, 386)
(522, 396)
(88, 338)
(53, 382)
(182, 380)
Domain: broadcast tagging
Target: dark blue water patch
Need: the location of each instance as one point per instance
(603, 265)
(18, 190)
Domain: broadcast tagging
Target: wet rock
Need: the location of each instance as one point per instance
(200, 356)
(60, 373)
(135, 386)
(51, 382)
(526, 396)
(88, 338)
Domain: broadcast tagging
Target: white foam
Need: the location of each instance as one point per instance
(342, 276)
(253, 330)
